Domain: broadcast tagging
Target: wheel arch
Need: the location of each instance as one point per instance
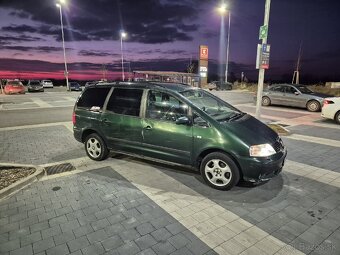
(313, 99)
(89, 131)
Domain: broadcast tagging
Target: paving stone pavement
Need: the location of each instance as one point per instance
(39, 145)
(328, 133)
(319, 155)
(94, 212)
(128, 206)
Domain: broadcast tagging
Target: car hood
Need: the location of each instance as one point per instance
(252, 131)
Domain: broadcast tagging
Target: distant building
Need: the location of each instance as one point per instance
(167, 76)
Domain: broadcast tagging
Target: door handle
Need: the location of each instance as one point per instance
(106, 121)
(148, 127)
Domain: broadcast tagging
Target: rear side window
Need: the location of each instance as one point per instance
(125, 101)
(278, 89)
(93, 97)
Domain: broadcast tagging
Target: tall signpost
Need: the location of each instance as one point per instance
(262, 62)
(203, 65)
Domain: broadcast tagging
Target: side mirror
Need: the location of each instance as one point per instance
(183, 121)
(297, 93)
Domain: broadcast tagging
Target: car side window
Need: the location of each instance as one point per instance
(290, 90)
(277, 89)
(125, 101)
(163, 106)
(93, 97)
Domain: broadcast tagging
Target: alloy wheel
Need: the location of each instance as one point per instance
(218, 172)
(93, 147)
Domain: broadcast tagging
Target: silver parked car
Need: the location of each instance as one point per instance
(293, 95)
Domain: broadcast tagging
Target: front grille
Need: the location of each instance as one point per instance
(278, 145)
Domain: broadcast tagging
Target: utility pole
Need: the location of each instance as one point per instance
(296, 75)
(261, 70)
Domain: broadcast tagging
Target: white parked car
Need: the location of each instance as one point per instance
(47, 83)
(331, 109)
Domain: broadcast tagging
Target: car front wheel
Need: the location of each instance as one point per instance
(95, 147)
(219, 171)
(313, 106)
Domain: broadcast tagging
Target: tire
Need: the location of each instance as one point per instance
(337, 117)
(266, 101)
(313, 106)
(95, 147)
(212, 167)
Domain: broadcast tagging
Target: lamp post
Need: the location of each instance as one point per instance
(223, 10)
(122, 36)
(59, 5)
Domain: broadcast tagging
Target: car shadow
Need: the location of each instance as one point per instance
(243, 193)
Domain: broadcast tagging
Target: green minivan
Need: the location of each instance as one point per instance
(179, 125)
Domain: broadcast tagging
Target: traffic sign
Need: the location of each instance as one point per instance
(265, 53)
(263, 32)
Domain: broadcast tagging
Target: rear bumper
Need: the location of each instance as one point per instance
(262, 169)
(77, 133)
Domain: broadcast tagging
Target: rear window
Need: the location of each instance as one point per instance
(125, 101)
(14, 83)
(93, 97)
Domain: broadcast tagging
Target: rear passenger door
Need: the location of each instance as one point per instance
(121, 122)
(277, 95)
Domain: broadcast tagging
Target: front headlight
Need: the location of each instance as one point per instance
(261, 150)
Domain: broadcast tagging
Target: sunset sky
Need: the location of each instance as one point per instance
(165, 35)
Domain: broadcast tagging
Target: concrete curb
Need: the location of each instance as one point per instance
(15, 187)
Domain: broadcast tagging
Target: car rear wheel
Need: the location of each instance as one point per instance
(313, 106)
(95, 147)
(266, 101)
(337, 117)
(219, 171)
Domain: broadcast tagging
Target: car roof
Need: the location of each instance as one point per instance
(176, 87)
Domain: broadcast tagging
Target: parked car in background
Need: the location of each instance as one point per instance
(89, 83)
(293, 95)
(35, 86)
(331, 109)
(179, 125)
(47, 83)
(75, 86)
(14, 87)
(220, 85)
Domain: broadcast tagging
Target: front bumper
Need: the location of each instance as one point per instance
(258, 169)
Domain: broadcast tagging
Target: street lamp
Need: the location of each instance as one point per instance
(122, 36)
(223, 10)
(59, 5)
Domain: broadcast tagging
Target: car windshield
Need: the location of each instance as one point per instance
(304, 90)
(34, 83)
(213, 106)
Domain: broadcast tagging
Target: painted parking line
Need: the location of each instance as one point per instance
(203, 217)
(65, 123)
(40, 102)
(314, 173)
(313, 139)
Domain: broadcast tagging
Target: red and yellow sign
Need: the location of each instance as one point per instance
(204, 52)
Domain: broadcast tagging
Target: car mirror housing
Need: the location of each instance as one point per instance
(183, 121)
(297, 93)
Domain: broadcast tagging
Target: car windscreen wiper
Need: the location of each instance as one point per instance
(234, 116)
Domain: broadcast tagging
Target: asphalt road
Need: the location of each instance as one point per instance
(35, 116)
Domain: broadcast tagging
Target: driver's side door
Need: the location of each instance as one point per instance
(162, 137)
